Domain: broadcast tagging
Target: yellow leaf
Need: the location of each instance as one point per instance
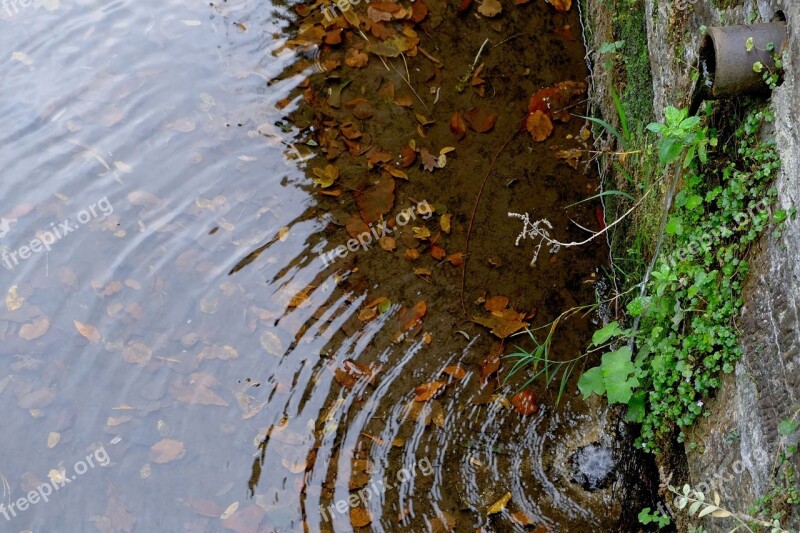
(13, 300)
(444, 223)
(53, 439)
(499, 505)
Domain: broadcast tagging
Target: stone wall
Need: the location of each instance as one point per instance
(738, 443)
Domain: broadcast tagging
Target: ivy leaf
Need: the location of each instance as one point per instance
(617, 366)
(601, 336)
(592, 381)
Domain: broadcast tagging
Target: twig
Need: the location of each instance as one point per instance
(475, 210)
(462, 83)
(408, 82)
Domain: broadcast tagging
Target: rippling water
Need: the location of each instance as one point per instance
(179, 330)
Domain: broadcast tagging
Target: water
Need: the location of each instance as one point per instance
(176, 344)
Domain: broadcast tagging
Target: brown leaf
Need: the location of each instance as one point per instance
(196, 394)
(410, 317)
(388, 243)
(167, 450)
(502, 324)
(35, 329)
(496, 303)
(137, 353)
(117, 516)
(481, 120)
(490, 8)
(539, 126)
(245, 520)
(457, 125)
(412, 254)
(426, 391)
(525, 402)
(437, 253)
(522, 519)
(37, 399)
(407, 156)
(491, 364)
(359, 517)
(429, 161)
(560, 5)
(455, 372)
(419, 11)
(444, 523)
(376, 201)
(88, 331)
(355, 226)
(456, 259)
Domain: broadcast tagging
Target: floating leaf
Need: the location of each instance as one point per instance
(503, 324)
(53, 439)
(88, 331)
(271, 343)
(491, 363)
(410, 317)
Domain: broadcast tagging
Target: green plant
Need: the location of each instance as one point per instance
(771, 76)
(681, 134)
(696, 501)
(687, 336)
(648, 516)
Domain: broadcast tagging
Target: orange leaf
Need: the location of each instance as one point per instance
(412, 316)
(491, 364)
(359, 517)
(560, 5)
(407, 156)
(539, 126)
(455, 372)
(496, 303)
(457, 125)
(419, 11)
(437, 253)
(426, 391)
(356, 226)
(525, 402)
(481, 120)
(456, 259)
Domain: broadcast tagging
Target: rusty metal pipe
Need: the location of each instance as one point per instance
(726, 66)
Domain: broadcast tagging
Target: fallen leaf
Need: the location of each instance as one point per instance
(34, 330)
(411, 254)
(481, 120)
(426, 391)
(356, 58)
(88, 331)
(376, 201)
(421, 233)
(325, 177)
(456, 259)
(491, 363)
(490, 8)
(539, 126)
(411, 317)
(502, 324)
(13, 300)
(496, 303)
(437, 253)
(429, 161)
(167, 450)
(228, 512)
(444, 223)
(137, 353)
(53, 439)
(525, 402)
(407, 156)
(560, 5)
(522, 519)
(271, 343)
(359, 517)
(499, 505)
(570, 156)
(388, 243)
(196, 394)
(455, 372)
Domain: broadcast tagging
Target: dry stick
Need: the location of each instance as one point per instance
(475, 210)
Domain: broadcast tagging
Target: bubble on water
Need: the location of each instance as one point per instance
(593, 466)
